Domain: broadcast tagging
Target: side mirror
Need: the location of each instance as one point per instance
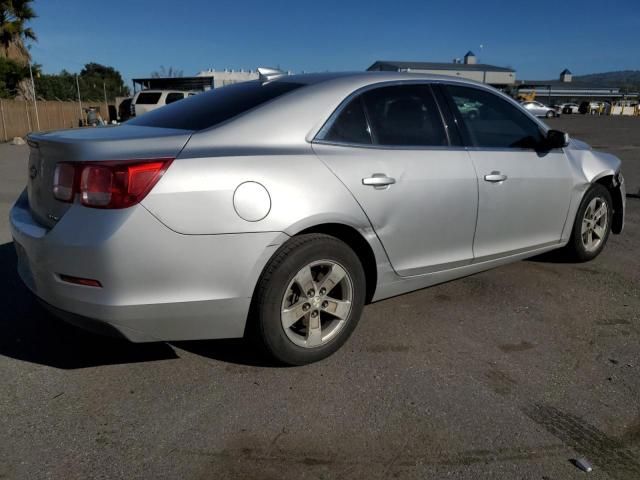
(556, 139)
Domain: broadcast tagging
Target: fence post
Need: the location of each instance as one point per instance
(4, 123)
(26, 109)
(60, 116)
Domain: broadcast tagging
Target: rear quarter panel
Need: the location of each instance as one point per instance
(196, 194)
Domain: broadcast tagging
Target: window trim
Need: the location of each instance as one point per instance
(322, 132)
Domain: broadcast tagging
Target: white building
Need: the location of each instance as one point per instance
(228, 77)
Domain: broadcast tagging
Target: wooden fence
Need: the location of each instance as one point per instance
(18, 117)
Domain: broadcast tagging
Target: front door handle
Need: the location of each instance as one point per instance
(379, 181)
(495, 176)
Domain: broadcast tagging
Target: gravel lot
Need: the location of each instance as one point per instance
(507, 374)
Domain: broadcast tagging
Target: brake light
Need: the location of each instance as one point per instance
(117, 184)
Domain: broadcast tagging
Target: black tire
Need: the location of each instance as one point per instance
(550, 114)
(576, 248)
(274, 282)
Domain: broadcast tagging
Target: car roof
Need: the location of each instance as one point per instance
(368, 77)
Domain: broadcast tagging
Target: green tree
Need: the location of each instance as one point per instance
(11, 74)
(56, 87)
(14, 32)
(93, 79)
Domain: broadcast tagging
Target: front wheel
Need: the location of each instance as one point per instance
(309, 299)
(550, 114)
(592, 224)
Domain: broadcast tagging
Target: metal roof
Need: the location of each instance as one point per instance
(560, 85)
(174, 83)
(402, 65)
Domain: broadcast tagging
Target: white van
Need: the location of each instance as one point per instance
(146, 100)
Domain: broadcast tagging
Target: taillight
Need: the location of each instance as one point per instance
(63, 182)
(118, 184)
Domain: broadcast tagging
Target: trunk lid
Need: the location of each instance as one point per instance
(123, 142)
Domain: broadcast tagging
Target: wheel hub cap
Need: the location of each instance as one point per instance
(594, 224)
(317, 303)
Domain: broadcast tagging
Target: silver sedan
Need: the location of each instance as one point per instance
(278, 208)
(540, 110)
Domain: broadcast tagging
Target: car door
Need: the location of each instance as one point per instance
(524, 190)
(390, 148)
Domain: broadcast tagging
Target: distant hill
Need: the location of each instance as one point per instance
(629, 79)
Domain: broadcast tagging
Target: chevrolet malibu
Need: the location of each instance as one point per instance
(279, 207)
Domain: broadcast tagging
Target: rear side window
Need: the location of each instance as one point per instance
(173, 97)
(404, 115)
(148, 98)
(215, 106)
(351, 125)
(493, 122)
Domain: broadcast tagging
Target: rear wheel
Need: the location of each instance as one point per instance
(592, 224)
(309, 299)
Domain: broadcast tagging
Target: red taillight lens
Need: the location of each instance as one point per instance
(63, 182)
(115, 184)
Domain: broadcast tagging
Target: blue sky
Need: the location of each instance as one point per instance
(538, 39)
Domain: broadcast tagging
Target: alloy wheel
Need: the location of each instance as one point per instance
(594, 224)
(317, 303)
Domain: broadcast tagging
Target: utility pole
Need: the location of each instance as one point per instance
(33, 91)
(104, 89)
(79, 99)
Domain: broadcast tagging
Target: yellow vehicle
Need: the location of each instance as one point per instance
(527, 97)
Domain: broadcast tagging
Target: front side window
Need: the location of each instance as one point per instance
(351, 125)
(493, 122)
(404, 115)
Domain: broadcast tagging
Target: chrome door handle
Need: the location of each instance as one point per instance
(378, 181)
(495, 177)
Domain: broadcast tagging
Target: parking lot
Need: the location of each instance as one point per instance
(507, 374)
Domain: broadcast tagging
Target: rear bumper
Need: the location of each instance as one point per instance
(156, 284)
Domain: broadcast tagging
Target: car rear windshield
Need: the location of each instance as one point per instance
(214, 107)
(148, 98)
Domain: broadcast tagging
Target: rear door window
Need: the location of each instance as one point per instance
(148, 98)
(215, 106)
(404, 115)
(350, 126)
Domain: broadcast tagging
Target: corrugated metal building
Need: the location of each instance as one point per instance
(500, 77)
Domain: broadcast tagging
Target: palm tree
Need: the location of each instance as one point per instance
(14, 16)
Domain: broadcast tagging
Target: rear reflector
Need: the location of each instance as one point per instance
(87, 282)
(118, 184)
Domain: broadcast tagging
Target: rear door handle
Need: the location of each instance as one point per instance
(495, 177)
(379, 181)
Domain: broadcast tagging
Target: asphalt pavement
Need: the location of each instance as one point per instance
(508, 374)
